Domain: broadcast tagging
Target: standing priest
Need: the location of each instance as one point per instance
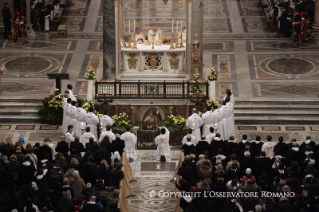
(162, 142)
(194, 122)
(209, 119)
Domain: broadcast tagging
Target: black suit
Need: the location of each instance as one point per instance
(118, 145)
(215, 145)
(187, 149)
(284, 24)
(92, 147)
(78, 146)
(63, 147)
(187, 173)
(201, 147)
(6, 14)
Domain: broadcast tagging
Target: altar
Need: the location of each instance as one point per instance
(161, 60)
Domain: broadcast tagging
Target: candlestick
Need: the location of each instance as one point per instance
(172, 44)
(172, 26)
(182, 25)
(124, 44)
(182, 45)
(129, 26)
(101, 124)
(177, 26)
(134, 26)
(134, 43)
(129, 40)
(124, 27)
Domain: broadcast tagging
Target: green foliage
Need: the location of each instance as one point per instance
(51, 115)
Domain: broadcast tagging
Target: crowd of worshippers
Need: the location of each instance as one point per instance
(288, 14)
(59, 178)
(218, 165)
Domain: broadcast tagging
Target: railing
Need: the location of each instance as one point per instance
(149, 90)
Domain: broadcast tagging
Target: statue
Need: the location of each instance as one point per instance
(196, 50)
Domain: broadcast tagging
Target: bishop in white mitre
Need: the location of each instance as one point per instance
(106, 120)
(162, 143)
(80, 115)
(194, 122)
(130, 142)
(157, 34)
(91, 121)
(65, 121)
(209, 120)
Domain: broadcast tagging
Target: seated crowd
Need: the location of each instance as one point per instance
(249, 166)
(60, 179)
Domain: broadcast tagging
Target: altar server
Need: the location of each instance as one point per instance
(209, 120)
(130, 142)
(92, 120)
(162, 142)
(80, 120)
(193, 138)
(211, 135)
(106, 120)
(226, 115)
(157, 34)
(230, 95)
(65, 119)
(231, 120)
(70, 135)
(69, 86)
(195, 122)
(108, 133)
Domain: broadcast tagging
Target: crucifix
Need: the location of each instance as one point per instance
(58, 78)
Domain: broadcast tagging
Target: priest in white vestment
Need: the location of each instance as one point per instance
(85, 138)
(72, 114)
(194, 122)
(220, 122)
(80, 114)
(157, 35)
(209, 120)
(65, 119)
(67, 106)
(193, 138)
(106, 120)
(91, 121)
(162, 143)
(226, 120)
(130, 142)
(108, 133)
(230, 95)
(139, 37)
(231, 120)
(69, 86)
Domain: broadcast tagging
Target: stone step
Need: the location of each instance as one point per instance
(25, 111)
(279, 120)
(299, 112)
(20, 105)
(276, 107)
(20, 118)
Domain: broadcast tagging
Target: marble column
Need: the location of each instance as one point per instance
(30, 31)
(197, 28)
(316, 21)
(109, 40)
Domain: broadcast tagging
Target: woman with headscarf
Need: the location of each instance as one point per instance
(116, 158)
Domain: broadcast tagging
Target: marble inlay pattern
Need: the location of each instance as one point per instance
(76, 8)
(74, 24)
(250, 8)
(290, 66)
(9, 88)
(255, 25)
(216, 25)
(158, 166)
(214, 7)
(53, 45)
(285, 89)
(275, 46)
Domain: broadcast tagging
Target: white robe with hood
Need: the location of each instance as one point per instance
(85, 138)
(130, 142)
(162, 142)
(80, 114)
(193, 139)
(209, 120)
(106, 120)
(91, 121)
(268, 148)
(195, 122)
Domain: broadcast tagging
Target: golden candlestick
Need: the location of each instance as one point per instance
(134, 43)
(182, 45)
(176, 43)
(124, 44)
(153, 35)
(172, 44)
(129, 41)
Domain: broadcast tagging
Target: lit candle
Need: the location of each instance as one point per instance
(176, 26)
(129, 26)
(193, 125)
(101, 124)
(181, 26)
(215, 125)
(134, 26)
(172, 25)
(82, 125)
